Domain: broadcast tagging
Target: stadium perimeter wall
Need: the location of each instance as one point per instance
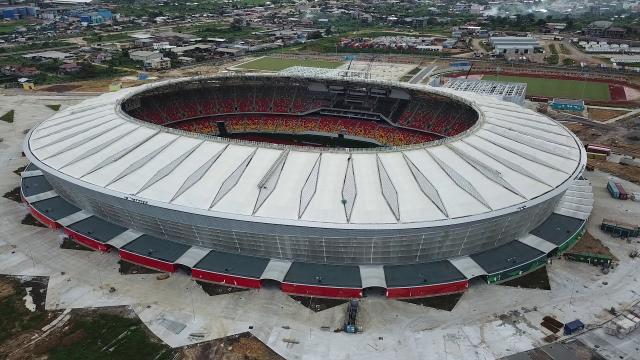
(311, 244)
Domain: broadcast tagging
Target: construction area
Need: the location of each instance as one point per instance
(63, 300)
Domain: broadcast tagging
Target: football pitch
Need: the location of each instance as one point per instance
(559, 88)
(276, 64)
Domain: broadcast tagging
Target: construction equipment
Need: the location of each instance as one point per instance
(350, 325)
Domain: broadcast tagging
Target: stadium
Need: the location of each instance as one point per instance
(319, 186)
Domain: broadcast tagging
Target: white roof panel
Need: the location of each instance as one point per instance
(526, 185)
(414, 204)
(202, 193)
(326, 205)
(166, 188)
(82, 167)
(108, 173)
(370, 205)
(549, 157)
(133, 182)
(77, 152)
(284, 201)
(46, 148)
(549, 175)
(457, 201)
(496, 195)
(242, 198)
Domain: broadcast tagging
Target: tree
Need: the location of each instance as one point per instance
(314, 35)
(237, 24)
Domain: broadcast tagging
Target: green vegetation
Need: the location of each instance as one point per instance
(179, 7)
(98, 38)
(107, 336)
(54, 107)
(122, 60)
(119, 65)
(571, 89)
(15, 316)
(277, 64)
(7, 28)
(553, 59)
(34, 46)
(486, 46)
(8, 116)
(221, 31)
(564, 50)
(324, 45)
(406, 77)
(97, 334)
(568, 62)
(552, 48)
(49, 73)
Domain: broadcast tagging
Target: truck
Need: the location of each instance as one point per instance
(350, 325)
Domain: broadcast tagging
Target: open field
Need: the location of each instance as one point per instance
(571, 89)
(277, 64)
(599, 114)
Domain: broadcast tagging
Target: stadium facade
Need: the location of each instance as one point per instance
(415, 217)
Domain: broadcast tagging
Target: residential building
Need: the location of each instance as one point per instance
(144, 56)
(160, 63)
(514, 45)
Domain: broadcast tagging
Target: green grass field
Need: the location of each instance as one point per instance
(570, 89)
(277, 64)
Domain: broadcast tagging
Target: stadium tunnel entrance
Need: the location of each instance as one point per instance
(183, 269)
(374, 291)
(270, 284)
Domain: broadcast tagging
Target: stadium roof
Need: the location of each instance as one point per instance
(508, 91)
(55, 208)
(97, 229)
(512, 158)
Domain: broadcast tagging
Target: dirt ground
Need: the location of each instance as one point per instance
(127, 268)
(629, 173)
(13, 195)
(318, 304)
(591, 245)
(30, 220)
(597, 114)
(236, 347)
(192, 71)
(69, 244)
(215, 289)
(624, 138)
(444, 302)
(103, 333)
(538, 279)
(97, 86)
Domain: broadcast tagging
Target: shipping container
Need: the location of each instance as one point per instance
(622, 194)
(598, 149)
(573, 327)
(613, 189)
(596, 156)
